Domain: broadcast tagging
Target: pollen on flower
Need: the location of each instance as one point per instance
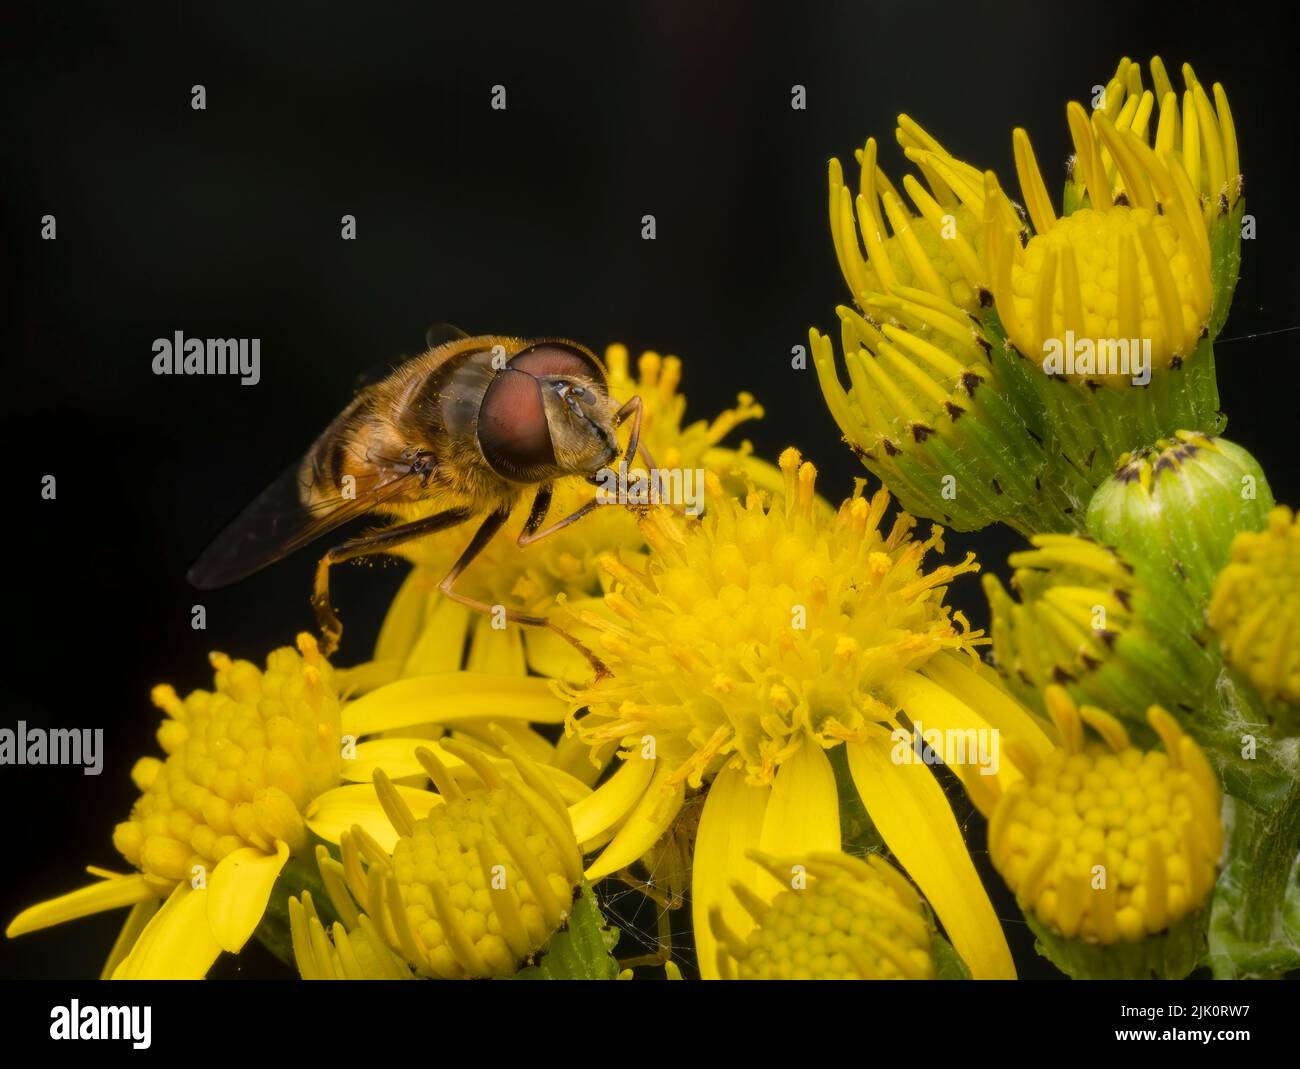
(847, 919)
(243, 761)
(806, 614)
(1108, 843)
(1255, 606)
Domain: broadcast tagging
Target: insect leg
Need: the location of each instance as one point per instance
(633, 408)
(541, 505)
(482, 537)
(527, 538)
(363, 546)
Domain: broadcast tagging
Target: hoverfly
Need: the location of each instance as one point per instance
(464, 429)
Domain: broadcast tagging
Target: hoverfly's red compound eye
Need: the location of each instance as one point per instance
(558, 360)
(512, 429)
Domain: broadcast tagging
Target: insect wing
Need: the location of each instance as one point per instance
(292, 512)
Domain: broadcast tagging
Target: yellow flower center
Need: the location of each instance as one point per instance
(476, 886)
(1255, 607)
(852, 920)
(449, 853)
(243, 761)
(760, 627)
(1107, 843)
(1120, 275)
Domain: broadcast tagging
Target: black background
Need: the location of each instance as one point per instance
(226, 222)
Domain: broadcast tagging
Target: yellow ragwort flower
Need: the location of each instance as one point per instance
(1076, 602)
(934, 251)
(854, 919)
(1195, 130)
(1132, 262)
(929, 408)
(473, 888)
(747, 644)
(353, 951)
(1105, 843)
(217, 818)
(1255, 607)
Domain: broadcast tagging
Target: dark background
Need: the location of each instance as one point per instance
(225, 223)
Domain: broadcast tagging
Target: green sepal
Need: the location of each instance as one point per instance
(582, 950)
(947, 962)
(1168, 955)
(858, 834)
(1174, 509)
(297, 876)
(1225, 263)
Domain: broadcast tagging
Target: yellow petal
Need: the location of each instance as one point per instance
(612, 801)
(396, 757)
(550, 655)
(405, 619)
(978, 686)
(909, 809)
(334, 812)
(96, 898)
(177, 944)
(442, 641)
(979, 760)
(580, 760)
(136, 922)
(496, 651)
(238, 892)
(653, 815)
(452, 696)
(730, 826)
(366, 676)
(803, 814)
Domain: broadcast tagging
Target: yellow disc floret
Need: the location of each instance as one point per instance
(243, 761)
(1076, 600)
(1255, 607)
(478, 885)
(842, 918)
(1123, 277)
(1119, 275)
(932, 246)
(1109, 843)
(760, 629)
(351, 951)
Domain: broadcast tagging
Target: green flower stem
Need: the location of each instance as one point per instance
(1268, 845)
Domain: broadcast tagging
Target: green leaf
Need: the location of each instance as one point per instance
(581, 950)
